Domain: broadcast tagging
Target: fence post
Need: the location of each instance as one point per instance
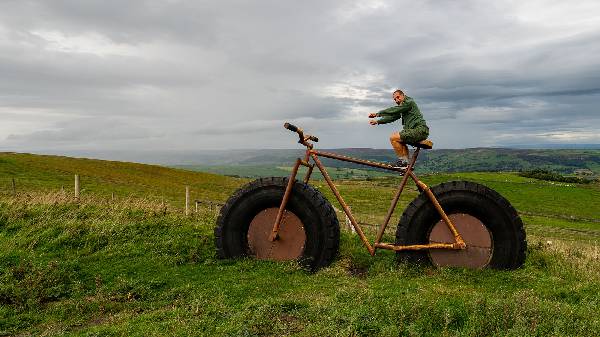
(77, 186)
(349, 223)
(14, 186)
(187, 200)
(196, 206)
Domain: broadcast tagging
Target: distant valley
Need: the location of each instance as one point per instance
(252, 163)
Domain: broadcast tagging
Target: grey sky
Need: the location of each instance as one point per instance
(141, 75)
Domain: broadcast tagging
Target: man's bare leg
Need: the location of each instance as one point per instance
(400, 148)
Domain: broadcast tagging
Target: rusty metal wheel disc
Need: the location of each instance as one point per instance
(478, 238)
(289, 245)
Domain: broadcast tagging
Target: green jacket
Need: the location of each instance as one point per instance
(408, 111)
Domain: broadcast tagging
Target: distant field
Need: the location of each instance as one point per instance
(256, 171)
(135, 265)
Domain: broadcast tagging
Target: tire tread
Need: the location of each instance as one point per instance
(479, 193)
(330, 233)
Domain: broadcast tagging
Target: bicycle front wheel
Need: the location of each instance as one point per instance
(309, 231)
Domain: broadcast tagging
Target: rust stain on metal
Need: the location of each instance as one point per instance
(290, 241)
(308, 174)
(357, 161)
(390, 246)
(457, 237)
(286, 196)
(477, 237)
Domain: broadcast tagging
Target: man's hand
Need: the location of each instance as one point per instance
(373, 122)
(372, 115)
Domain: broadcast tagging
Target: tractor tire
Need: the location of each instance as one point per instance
(488, 223)
(309, 232)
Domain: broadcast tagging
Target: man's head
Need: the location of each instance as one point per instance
(398, 96)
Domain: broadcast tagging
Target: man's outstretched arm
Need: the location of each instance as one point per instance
(390, 114)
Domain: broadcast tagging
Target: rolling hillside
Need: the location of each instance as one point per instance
(566, 161)
(100, 177)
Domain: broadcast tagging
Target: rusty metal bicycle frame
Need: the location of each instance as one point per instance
(408, 172)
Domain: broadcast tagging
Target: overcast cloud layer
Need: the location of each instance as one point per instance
(142, 75)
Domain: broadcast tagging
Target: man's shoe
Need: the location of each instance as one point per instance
(400, 163)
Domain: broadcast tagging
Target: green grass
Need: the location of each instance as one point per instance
(137, 266)
(100, 177)
(250, 171)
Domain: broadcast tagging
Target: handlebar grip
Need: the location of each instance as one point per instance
(290, 127)
(313, 138)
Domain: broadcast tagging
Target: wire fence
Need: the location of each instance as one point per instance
(214, 207)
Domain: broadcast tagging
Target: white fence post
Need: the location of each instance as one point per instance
(348, 222)
(77, 186)
(187, 200)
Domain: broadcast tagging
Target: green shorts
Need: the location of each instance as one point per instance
(414, 135)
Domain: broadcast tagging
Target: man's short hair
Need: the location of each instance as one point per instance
(398, 90)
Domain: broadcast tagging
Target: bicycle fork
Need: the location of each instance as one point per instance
(288, 191)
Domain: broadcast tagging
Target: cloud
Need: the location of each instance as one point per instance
(104, 75)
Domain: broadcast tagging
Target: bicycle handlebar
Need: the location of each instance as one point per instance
(290, 127)
(300, 133)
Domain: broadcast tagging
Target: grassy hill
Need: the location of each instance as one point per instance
(103, 178)
(135, 265)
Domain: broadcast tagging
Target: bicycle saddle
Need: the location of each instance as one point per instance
(424, 144)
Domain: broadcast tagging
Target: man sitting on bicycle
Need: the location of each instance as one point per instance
(414, 127)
